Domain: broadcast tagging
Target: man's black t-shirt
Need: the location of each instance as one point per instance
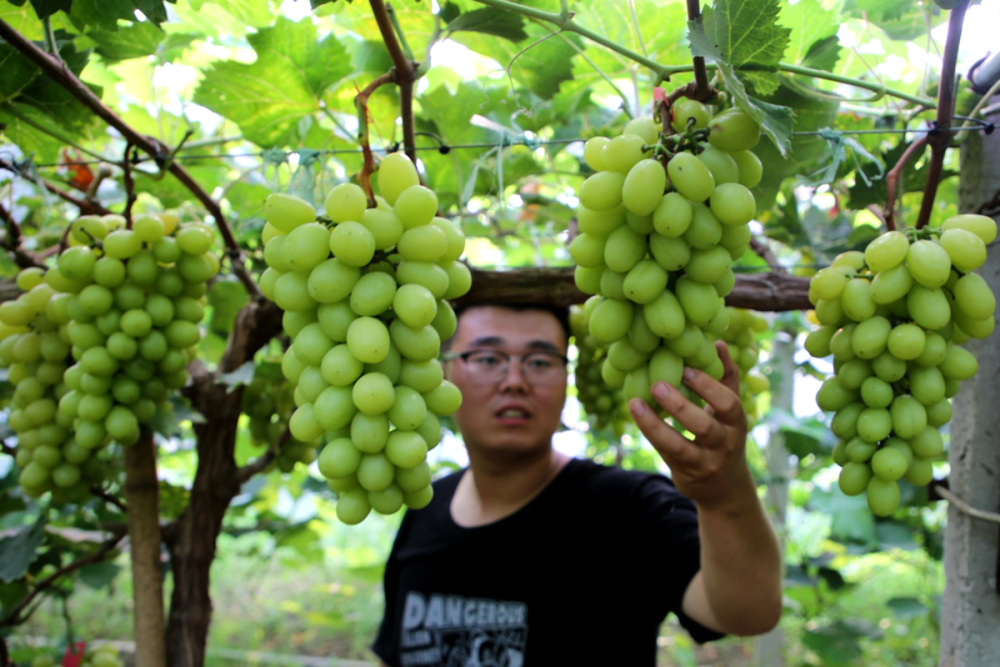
(584, 574)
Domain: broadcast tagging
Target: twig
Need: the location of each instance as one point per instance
(57, 71)
(129, 186)
(361, 104)
(108, 498)
(638, 30)
(14, 617)
(23, 258)
(765, 253)
(964, 507)
(264, 460)
(945, 108)
(405, 74)
(892, 180)
(86, 206)
(700, 75)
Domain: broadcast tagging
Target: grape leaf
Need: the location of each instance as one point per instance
(490, 21)
(132, 41)
(16, 72)
(268, 98)
(746, 35)
(17, 551)
(810, 24)
(46, 8)
(105, 14)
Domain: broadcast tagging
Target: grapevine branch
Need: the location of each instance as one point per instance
(261, 463)
(108, 498)
(940, 139)
(404, 77)
(701, 89)
(130, 196)
(23, 258)
(56, 70)
(772, 291)
(14, 617)
(892, 180)
(361, 104)
(763, 251)
(87, 206)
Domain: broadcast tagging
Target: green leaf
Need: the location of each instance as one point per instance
(541, 68)
(746, 35)
(810, 25)
(269, 97)
(776, 121)
(907, 608)
(16, 72)
(132, 41)
(811, 114)
(823, 54)
(490, 21)
(99, 575)
(18, 551)
(46, 8)
(852, 520)
(241, 376)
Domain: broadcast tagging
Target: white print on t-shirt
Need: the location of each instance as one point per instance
(462, 632)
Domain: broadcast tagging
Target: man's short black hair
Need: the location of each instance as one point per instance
(561, 313)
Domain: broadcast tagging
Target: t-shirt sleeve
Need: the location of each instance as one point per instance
(670, 535)
(387, 640)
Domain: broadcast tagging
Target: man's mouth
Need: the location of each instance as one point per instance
(512, 413)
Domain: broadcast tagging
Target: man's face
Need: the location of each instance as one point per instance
(510, 417)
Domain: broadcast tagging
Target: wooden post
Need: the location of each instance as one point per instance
(142, 494)
(971, 606)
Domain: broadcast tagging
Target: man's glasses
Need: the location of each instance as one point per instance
(491, 366)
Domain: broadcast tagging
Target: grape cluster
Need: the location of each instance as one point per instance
(603, 405)
(656, 245)
(745, 353)
(365, 301)
(269, 406)
(126, 304)
(34, 349)
(894, 318)
(105, 655)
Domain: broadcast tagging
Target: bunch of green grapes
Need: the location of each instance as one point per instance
(128, 307)
(365, 298)
(269, 406)
(894, 319)
(603, 405)
(34, 347)
(104, 655)
(656, 244)
(744, 349)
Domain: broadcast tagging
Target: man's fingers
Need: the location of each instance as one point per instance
(695, 419)
(731, 376)
(672, 446)
(724, 401)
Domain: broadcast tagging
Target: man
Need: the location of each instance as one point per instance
(530, 557)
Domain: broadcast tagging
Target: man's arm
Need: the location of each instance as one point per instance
(738, 589)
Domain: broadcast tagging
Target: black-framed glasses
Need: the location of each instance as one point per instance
(492, 366)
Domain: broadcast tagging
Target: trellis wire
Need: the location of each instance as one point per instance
(444, 148)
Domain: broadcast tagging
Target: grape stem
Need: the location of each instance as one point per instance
(23, 258)
(15, 615)
(87, 206)
(98, 492)
(892, 180)
(940, 139)
(361, 104)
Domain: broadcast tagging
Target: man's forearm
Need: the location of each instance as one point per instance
(741, 564)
